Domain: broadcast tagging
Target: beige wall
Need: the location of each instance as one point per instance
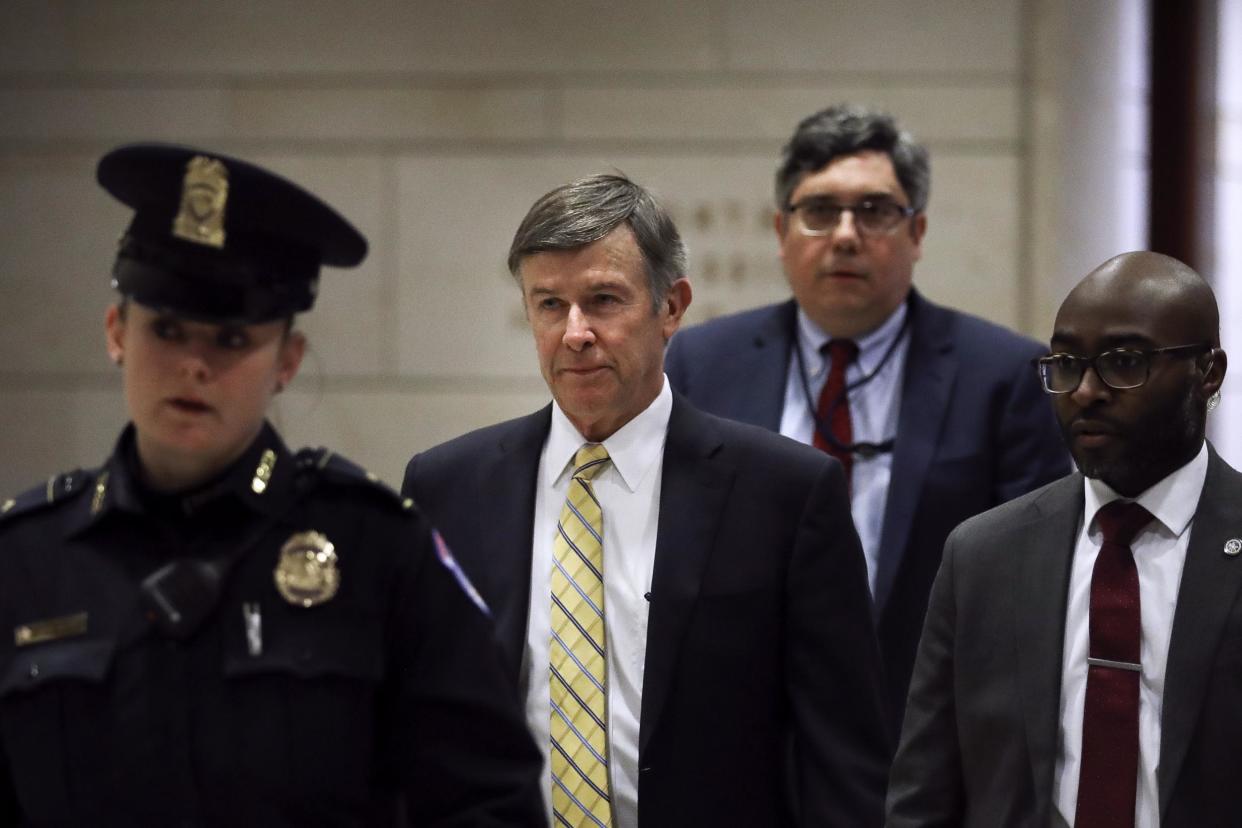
(435, 124)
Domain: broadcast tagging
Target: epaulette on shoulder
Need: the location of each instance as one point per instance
(59, 488)
(327, 465)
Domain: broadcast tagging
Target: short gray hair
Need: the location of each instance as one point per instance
(585, 211)
(846, 129)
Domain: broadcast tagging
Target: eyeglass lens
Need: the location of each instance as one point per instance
(873, 216)
(1117, 369)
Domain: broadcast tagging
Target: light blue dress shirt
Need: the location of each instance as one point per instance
(874, 408)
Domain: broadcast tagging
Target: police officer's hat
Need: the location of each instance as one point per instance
(218, 239)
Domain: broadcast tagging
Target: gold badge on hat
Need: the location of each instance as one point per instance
(306, 574)
(204, 193)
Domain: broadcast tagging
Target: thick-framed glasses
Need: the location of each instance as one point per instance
(819, 216)
(1120, 368)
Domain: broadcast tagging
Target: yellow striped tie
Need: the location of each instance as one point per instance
(580, 793)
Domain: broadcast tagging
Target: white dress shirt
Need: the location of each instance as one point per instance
(629, 494)
(873, 414)
(1159, 554)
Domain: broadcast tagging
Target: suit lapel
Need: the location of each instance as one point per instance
(1210, 584)
(508, 484)
(1040, 586)
(764, 362)
(693, 492)
(929, 375)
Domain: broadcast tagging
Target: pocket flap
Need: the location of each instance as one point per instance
(310, 659)
(77, 660)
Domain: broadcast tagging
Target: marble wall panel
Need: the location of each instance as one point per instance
(885, 37)
(34, 36)
(971, 250)
(44, 431)
(768, 113)
(110, 115)
(241, 37)
(393, 114)
(58, 233)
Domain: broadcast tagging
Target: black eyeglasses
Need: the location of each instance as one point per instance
(1120, 368)
(819, 216)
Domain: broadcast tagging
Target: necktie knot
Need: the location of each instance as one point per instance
(840, 351)
(590, 460)
(1120, 521)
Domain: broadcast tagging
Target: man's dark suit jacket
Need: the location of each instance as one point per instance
(761, 653)
(974, 430)
(980, 742)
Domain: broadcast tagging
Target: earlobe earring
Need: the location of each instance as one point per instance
(1213, 401)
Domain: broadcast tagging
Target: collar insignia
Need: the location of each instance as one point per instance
(263, 472)
(101, 490)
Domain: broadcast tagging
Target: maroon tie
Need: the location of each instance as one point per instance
(1108, 778)
(841, 353)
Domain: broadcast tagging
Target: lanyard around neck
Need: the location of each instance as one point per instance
(864, 449)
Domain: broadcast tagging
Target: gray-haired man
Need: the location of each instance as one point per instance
(682, 599)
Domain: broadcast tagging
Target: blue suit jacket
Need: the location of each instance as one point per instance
(975, 430)
(762, 676)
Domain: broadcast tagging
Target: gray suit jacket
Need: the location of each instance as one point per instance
(980, 738)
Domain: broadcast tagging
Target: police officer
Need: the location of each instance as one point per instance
(209, 629)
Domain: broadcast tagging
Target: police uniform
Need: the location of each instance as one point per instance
(288, 644)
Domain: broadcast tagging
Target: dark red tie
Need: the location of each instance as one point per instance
(1108, 778)
(840, 353)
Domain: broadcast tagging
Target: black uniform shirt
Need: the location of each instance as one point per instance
(381, 703)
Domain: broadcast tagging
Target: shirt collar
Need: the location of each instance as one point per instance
(634, 449)
(871, 346)
(1172, 501)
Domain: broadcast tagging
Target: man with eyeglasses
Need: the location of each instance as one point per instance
(1081, 664)
(933, 412)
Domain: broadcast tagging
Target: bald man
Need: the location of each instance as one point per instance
(1081, 662)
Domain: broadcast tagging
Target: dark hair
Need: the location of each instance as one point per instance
(585, 211)
(846, 129)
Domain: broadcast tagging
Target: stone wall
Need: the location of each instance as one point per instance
(435, 124)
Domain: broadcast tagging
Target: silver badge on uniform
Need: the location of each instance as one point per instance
(306, 574)
(1233, 546)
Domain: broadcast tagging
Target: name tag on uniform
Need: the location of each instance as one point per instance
(50, 629)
